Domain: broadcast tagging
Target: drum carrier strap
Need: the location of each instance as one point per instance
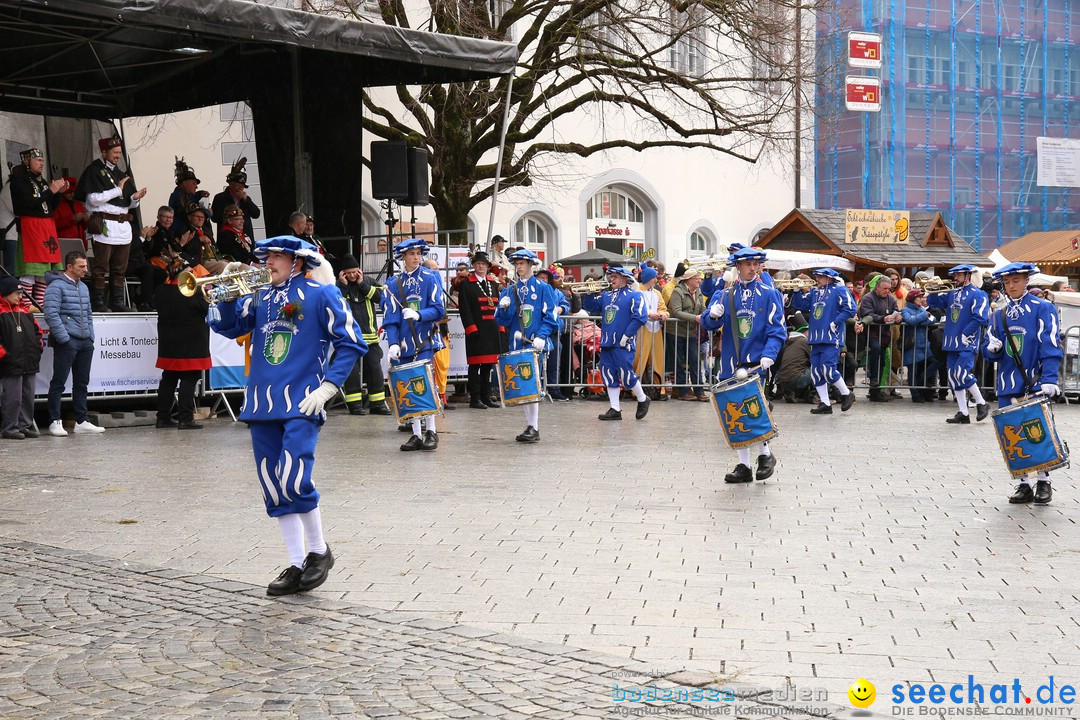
(1015, 351)
(734, 328)
(400, 295)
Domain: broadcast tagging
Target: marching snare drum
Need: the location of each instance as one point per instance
(743, 411)
(519, 377)
(1027, 437)
(412, 390)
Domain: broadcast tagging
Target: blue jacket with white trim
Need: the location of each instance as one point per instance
(622, 313)
(759, 321)
(531, 311)
(967, 311)
(1033, 324)
(421, 290)
(830, 307)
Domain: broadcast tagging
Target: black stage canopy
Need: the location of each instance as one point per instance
(302, 74)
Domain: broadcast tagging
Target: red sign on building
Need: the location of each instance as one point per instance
(864, 50)
(863, 94)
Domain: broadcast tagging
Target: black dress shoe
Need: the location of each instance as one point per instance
(1022, 494)
(1043, 493)
(165, 424)
(357, 410)
(14, 436)
(741, 474)
(611, 414)
(822, 409)
(405, 427)
(431, 440)
(316, 568)
(959, 419)
(766, 466)
(981, 411)
(531, 435)
(642, 409)
(189, 425)
(477, 404)
(287, 583)
(877, 397)
(379, 408)
(492, 402)
(30, 432)
(413, 443)
(846, 401)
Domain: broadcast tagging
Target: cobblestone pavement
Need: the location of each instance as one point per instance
(883, 548)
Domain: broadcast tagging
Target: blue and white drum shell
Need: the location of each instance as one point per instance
(1028, 438)
(519, 374)
(743, 412)
(412, 390)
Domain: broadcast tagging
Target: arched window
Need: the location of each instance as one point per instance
(613, 205)
(534, 231)
(702, 240)
(698, 243)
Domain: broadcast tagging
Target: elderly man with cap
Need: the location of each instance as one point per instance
(235, 193)
(685, 305)
(1023, 340)
(33, 201)
(364, 297)
(830, 306)
(750, 316)
(293, 322)
(233, 242)
(623, 313)
(110, 196)
(501, 264)
(413, 302)
(478, 298)
(967, 312)
(527, 309)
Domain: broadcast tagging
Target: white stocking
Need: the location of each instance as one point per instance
(532, 415)
(613, 398)
(431, 423)
(313, 534)
(744, 455)
(977, 395)
(416, 429)
(292, 529)
(842, 387)
(639, 393)
(823, 393)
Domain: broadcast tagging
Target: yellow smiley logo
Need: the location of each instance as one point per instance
(862, 693)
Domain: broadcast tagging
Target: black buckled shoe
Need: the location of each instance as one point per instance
(981, 411)
(287, 583)
(642, 409)
(477, 404)
(1043, 493)
(189, 425)
(379, 408)
(1022, 494)
(959, 419)
(846, 401)
(611, 414)
(431, 440)
(822, 409)
(413, 443)
(316, 568)
(741, 474)
(766, 466)
(531, 435)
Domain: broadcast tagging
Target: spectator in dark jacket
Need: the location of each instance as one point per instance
(919, 360)
(878, 310)
(183, 353)
(20, 354)
(793, 377)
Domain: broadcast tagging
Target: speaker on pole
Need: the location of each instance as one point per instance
(390, 170)
(418, 177)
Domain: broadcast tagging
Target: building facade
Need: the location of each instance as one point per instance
(966, 90)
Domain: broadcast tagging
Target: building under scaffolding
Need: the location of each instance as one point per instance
(967, 86)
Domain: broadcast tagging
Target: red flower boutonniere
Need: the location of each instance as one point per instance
(293, 312)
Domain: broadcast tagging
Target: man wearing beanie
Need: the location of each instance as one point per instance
(363, 296)
(650, 344)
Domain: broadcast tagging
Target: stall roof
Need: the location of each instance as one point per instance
(1052, 248)
(120, 58)
(932, 242)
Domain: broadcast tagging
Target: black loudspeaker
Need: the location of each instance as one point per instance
(418, 177)
(390, 170)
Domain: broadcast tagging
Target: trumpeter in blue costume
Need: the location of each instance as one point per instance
(622, 313)
(413, 302)
(1027, 326)
(529, 311)
(293, 322)
(750, 317)
(967, 311)
(829, 306)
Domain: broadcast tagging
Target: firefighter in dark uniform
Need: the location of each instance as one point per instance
(363, 297)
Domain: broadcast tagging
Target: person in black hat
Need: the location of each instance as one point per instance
(363, 296)
(478, 298)
(20, 355)
(185, 195)
(235, 193)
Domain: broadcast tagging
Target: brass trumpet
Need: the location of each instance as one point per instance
(223, 287)
(587, 287)
(796, 284)
(934, 285)
(705, 263)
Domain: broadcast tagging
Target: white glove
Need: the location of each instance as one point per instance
(410, 314)
(394, 352)
(539, 344)
(1049, 390)
(832, 328)
(504, 301)
(766, 363)
(517, 336)
(233, 267)
(716, 311)
(313, 404)
(624, 341)
(993, 343)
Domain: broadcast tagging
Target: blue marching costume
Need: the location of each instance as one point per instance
(829, 308)
(623, 314)
(529, 312)
(412, 304)
(967, 313)
(292, 326)
(1029, 325)
(750, 318)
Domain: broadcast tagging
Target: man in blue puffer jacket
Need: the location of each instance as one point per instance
(919, 360)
